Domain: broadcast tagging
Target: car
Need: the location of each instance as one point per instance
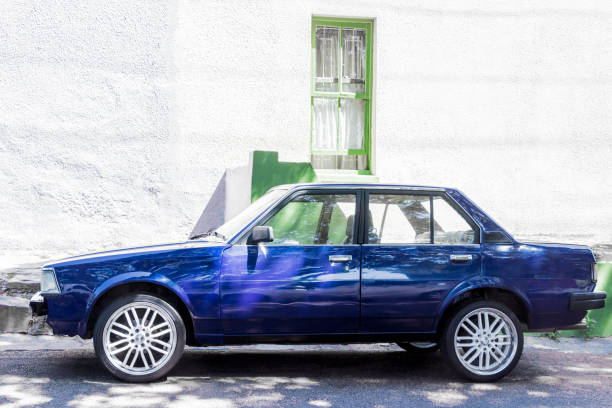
(423, 267)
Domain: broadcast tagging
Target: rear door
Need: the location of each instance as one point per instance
(419, 245)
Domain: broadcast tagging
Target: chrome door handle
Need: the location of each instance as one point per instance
(460, 258)
(340, 258)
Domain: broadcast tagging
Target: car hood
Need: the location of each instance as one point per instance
(135, 251)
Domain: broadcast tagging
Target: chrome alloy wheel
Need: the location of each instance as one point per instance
(139, 338)
(486, 341)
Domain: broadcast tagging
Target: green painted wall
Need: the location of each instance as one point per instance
(600, 320)
(269, 172)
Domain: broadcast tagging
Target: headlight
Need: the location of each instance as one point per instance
(594, 272)
(48, 281)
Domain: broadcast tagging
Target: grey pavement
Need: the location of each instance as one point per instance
(51, 371)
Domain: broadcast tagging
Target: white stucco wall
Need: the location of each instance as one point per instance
(117, 119)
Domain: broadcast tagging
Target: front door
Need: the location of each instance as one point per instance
(419, 247)
(304, 282)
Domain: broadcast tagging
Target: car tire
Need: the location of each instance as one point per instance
(419, 347)
(483, 341)
(139, 338)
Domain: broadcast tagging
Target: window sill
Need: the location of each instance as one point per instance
(346, 176)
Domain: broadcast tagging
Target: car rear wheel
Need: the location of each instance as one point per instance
(419, 347)
(483, 341)
(139, 338)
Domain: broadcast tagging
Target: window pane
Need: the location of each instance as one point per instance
(398, 219)
(324, 124)
(315, 219)
(450, 227)
(327, 46)
(353, 60)
(351, 123)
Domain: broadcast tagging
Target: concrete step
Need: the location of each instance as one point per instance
(16, 317)
(21, 280)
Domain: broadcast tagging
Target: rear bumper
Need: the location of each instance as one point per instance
(582, 301)
(38, 305)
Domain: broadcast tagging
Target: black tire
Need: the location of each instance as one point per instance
(451, 353)
(418, 348)
(175, 325)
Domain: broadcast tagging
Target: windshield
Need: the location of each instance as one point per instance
(236, 224)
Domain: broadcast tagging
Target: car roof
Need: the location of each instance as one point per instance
(358, 185)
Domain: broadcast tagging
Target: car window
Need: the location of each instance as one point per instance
(450, 227)
(315, 219)
(398, 219)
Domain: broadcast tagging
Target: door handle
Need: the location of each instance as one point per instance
(462, 258)
(340, 258)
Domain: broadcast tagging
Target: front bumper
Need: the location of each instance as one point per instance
(38, 305)
(581, 301)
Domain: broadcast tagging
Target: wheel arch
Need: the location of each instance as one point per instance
(505, 294)
(155, 287)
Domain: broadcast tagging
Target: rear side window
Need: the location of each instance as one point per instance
(449, 226)
(398, 219)
(407, 219)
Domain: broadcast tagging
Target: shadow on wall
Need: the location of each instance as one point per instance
(240, 186)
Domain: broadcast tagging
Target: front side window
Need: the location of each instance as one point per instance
(341, 93)
(407, 219)
(315, 219)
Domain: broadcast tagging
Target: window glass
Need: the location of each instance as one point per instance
(327, 46)
(398, 219)
(315, 219)
(450, 227)
(353, 60)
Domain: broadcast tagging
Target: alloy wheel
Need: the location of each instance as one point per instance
(486, 341)
(139, 338)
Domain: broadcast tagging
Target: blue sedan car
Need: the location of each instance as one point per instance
(420, 266)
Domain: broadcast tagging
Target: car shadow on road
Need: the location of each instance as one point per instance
(332, 365)
(228, 377)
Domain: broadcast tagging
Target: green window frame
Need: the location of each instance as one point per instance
(339, 93)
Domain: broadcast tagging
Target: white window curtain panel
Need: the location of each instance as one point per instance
(351, 123)
(325, 124)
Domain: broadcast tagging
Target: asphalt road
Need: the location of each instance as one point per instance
(381, 375)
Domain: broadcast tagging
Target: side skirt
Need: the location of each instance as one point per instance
(340, 338)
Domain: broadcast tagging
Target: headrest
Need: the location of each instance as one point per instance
(350, 224)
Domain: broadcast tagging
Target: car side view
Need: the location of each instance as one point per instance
(423, 267)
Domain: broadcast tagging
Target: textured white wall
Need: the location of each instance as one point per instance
(117, 119)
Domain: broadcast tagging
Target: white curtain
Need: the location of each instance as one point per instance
(325, 124)
(351, 123)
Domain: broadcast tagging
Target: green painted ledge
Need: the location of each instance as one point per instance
(269, 172)
(599, 321)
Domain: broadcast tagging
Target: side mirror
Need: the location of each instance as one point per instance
(260, 234)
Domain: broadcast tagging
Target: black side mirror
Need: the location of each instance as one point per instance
(260, 234)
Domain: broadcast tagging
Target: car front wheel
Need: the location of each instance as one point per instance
(139, 338)
(483, 341)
